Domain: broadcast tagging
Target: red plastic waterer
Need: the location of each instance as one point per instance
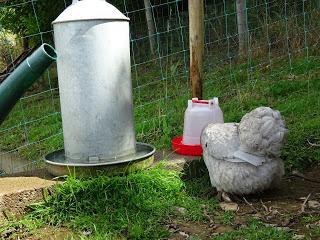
(197, 116)
(190, 150)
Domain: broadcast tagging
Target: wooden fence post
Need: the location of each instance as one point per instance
(151, 27)
(196, 42)
(242, 27)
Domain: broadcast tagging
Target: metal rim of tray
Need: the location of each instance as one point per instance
(108, 162)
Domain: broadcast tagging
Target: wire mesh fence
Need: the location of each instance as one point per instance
(271, 40)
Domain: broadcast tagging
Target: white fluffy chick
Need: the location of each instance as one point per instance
(245, 158)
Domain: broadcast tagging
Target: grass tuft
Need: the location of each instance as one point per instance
(135, 206)
(256, 231)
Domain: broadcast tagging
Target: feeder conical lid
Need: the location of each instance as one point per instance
(90, 10)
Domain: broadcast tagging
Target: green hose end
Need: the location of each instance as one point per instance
(25, 74)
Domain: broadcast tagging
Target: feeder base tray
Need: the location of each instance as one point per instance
(58, 165)
(189, 150)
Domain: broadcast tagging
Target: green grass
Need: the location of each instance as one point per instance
(227, 217)
(315, 233)
(310, 219)
(255, 231)
(295, 91)
(136, 206)
(35, 125)
(140, 205)
(314, 229)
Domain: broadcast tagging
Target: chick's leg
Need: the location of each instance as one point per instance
(227, 197)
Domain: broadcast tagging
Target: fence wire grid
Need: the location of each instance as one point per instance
(277, 36)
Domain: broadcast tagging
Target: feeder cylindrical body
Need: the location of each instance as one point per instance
(93, 48)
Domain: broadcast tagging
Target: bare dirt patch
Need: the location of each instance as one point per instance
(48, 233)
(16, 193)
(285, 207)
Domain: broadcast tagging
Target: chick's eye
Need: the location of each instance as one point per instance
(206, 145)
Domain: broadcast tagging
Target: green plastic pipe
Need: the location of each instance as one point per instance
(17, 83)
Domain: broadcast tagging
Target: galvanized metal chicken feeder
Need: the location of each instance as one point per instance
(94, 72)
